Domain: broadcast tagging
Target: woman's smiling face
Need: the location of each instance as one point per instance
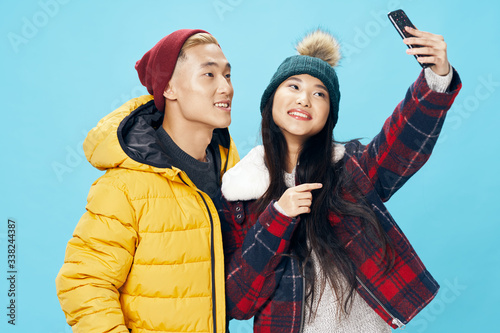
(301, 106)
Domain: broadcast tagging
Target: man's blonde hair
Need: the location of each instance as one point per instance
(194, 40)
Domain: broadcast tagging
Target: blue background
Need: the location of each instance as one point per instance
(66, 64)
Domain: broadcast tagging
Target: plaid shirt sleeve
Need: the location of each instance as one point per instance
(253, 253)
(407, 138)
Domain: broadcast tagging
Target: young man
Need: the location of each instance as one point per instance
(147, 255)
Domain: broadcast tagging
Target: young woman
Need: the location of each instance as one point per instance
(309, 244)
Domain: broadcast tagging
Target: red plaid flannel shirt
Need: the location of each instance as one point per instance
(262, 283)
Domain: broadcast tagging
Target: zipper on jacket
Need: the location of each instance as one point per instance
(395, 320)
(212, 260)
(302, 311)
(212, 250)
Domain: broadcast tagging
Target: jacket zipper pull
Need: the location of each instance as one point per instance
(395, 321)
(398, 322)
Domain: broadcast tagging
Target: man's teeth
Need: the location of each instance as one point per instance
(222, 105)
(299, 114)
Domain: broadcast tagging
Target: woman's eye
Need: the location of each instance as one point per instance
(294, 86)
(320, 94)
(228, 76)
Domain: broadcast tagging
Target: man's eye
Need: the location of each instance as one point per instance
(209, 74)
(228, 76)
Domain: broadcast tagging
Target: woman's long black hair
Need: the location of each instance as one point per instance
(338, 195)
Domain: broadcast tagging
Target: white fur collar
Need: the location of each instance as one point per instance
(249, 178)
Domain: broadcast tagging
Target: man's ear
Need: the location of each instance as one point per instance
(169, 93)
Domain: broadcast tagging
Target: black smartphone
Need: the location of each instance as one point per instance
(400, 21)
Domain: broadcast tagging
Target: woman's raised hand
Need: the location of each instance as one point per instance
(433, 50)
(297, 200)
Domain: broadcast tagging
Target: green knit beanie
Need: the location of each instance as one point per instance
(318, 54)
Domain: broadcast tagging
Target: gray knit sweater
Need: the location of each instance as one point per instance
(329, 317)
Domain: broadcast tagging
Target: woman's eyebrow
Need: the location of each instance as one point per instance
(293, 78)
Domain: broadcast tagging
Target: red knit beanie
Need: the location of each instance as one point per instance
(157, 65)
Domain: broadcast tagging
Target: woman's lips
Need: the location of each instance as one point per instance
(299, 114)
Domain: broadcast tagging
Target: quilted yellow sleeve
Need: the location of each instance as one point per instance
(98, 259)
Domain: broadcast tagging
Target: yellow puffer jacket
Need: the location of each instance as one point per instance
(147, 255)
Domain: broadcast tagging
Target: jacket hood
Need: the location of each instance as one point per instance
(249, 179)
(126, 138)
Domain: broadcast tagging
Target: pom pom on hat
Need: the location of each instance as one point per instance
(320, 44)
(156, 67)
(318, 53)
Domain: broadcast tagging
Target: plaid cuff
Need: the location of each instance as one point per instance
(276, 223)
(432, 101)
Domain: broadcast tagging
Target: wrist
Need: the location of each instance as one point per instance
(442, 70)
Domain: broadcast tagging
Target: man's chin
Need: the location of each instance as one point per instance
(223, 123)
(226, 125)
